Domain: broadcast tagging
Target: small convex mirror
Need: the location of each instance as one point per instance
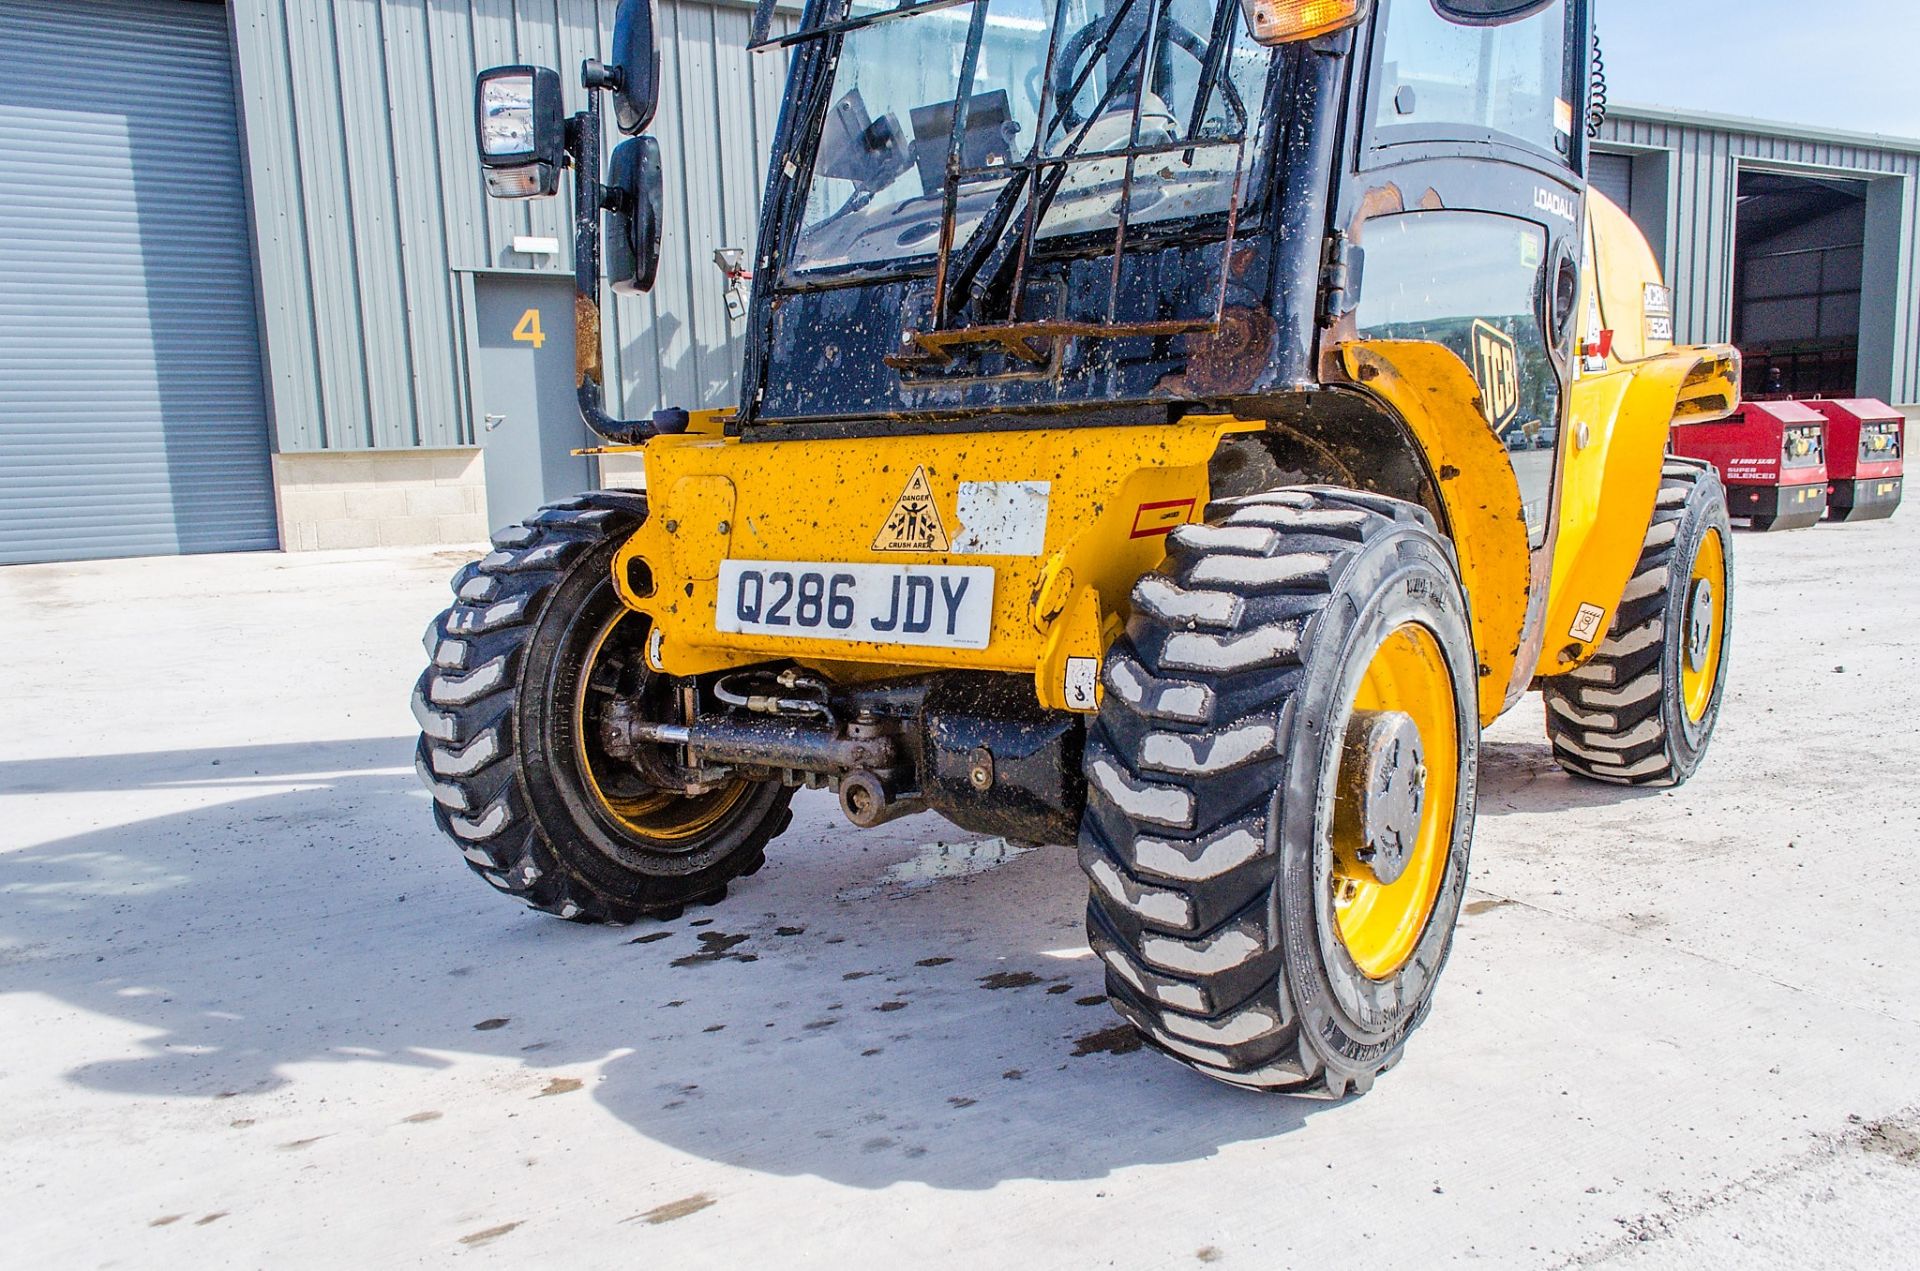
(636, 66)
(1489, 12)
(522, 136)
(633, 223)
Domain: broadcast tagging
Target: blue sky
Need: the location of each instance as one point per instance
(1827, 63)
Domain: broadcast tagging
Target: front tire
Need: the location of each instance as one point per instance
(1251, 927)
(536, 645)
(1641, 712)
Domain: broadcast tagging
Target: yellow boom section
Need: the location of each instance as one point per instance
(1067, 518)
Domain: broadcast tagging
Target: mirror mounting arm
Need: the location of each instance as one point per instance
(589, 199)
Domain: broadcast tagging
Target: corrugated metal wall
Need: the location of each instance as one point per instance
(371, 211)
(371, 216)
(1708, 155)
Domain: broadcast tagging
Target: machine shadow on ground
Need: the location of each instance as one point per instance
(823, 1021)
(1521, 777)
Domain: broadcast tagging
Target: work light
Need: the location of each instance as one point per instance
(1283, 21)
(522, 136)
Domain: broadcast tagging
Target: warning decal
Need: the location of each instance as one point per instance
(914, 523)
(1586, 624)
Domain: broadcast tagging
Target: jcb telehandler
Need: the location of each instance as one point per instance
(1171, 427)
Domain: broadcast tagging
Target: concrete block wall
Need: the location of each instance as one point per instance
(410, 498)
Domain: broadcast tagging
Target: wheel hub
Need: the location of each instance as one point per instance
(1382, 794)
(1700, 625)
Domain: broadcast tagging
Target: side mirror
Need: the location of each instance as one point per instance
(633, 224)
(636, 67)
(522, 134)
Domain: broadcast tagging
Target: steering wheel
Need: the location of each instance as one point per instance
(1066, 68)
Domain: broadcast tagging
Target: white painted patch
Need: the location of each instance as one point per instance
(937, 863)
(1163, 805)
(1253, 571)
(1002, 518)
(1082, 686)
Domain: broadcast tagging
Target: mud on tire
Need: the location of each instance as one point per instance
(1205, 839)
(1623, 718)
(494, 747)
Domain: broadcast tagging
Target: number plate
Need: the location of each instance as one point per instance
(947, 607)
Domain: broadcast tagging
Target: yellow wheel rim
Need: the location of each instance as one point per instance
(1706, 626)
(664, 817)
(1380, 923)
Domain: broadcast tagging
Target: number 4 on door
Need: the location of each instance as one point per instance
(529, 332)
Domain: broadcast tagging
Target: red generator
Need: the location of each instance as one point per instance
(1773, 458)
(1865, 442)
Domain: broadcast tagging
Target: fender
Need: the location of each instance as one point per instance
(1434, 395)
(1616, 446)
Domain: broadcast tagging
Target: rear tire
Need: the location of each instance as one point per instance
(509, 749)
(1636, 714)
(1215, 899)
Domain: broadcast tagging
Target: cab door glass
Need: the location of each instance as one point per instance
(1439, 76)
(1472, 282)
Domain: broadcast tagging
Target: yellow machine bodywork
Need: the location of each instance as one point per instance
(1114, 493)
(1112, 496)
(1615, 441)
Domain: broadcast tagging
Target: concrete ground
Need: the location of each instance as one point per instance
(253, 1011)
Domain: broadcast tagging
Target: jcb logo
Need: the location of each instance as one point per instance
(1496, 367)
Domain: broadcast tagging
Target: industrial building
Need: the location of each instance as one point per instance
(252, 296)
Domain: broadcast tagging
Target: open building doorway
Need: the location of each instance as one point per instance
(1799, 252)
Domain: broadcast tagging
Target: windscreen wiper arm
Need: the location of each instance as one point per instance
(986, 244)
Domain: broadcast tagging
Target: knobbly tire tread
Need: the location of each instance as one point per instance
(1619, 719)
(1187, 916)
(467, 705)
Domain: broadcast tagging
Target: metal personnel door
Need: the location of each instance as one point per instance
(530, 416)
(132, 414)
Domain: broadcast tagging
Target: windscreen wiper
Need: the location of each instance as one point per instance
(1219, 42)
(986, 243)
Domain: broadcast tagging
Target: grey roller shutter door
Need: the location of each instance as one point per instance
(132, 414)
(1612, 175)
